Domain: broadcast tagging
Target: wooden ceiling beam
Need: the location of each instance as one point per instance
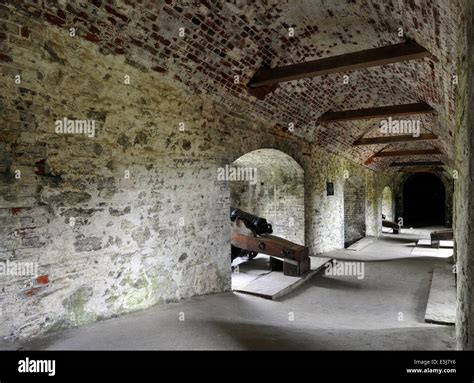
(417, 163)
(415, 152)
(421, 169)
(409, 50)
(394, 139)
(377, 112)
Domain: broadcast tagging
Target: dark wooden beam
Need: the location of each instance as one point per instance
(262, 91)
(371, 159)
(389, 54)
(421, 169)
(417, 163)
(377, 112)
(393, 139)
(415, 152)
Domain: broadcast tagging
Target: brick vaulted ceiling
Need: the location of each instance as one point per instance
(223, 39)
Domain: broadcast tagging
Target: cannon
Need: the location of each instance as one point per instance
(392, 225)
(252, 235)
(257, 224)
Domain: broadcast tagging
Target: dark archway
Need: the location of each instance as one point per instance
(423, 200)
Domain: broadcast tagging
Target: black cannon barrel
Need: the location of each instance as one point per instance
(257, 224)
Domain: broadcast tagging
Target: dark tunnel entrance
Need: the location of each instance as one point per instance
(423, 200)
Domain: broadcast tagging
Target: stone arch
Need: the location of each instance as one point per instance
(276, 194)
(289, 151)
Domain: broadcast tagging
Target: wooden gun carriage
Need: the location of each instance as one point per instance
(441, 235)
(392, 225)
(252, 235)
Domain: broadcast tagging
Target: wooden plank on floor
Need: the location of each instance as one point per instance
(361, 244)
(275, 285)
(441, 307)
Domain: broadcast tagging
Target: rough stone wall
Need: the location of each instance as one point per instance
(325, 214)
(464, 190)
(354, 210)
(113, 220)
(134, 215)
(117, 222)
(448, 182)
(373, 208)
(387, 203)
(276, 194)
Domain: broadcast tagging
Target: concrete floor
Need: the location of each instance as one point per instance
(387, 247)
(328, 312)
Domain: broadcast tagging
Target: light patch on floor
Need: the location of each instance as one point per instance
(423, 249)
(250, 271)
(392, 246)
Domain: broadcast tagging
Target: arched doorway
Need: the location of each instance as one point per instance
(354, 210)
(423, 200)
(276, 193)
(387, 203)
